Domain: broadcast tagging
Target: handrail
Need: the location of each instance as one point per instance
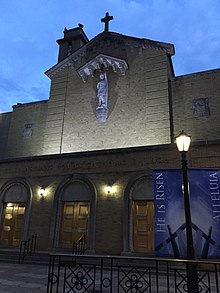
(79, 247)
(27, 247)
(98, 273)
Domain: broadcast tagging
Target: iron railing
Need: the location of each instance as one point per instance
(27, 247)
(79, 247)
(107, 274)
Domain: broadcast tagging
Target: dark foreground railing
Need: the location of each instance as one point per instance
(27, 247)
(106, 274)
(79, 247)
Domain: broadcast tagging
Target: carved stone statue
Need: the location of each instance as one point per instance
(102, 88)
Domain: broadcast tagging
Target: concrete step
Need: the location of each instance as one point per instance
(38, 257)
(9, 255)
(12, 256)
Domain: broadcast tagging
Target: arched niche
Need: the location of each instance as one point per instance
(73, 189)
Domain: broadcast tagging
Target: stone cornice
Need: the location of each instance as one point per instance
(69, 61)
(97, 45)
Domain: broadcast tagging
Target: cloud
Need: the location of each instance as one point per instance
(13, 93)
(29, 30)
(9, 85)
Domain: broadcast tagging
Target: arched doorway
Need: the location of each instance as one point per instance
(74, 216)
(15, 209)
(140, 216)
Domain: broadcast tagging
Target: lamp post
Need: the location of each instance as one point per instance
(183, 144)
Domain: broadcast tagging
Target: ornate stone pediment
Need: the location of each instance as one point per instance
(95, 49)
(103, 61)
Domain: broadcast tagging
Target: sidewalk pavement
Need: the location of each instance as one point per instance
(23, 278)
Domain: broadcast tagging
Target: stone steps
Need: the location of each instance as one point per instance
(12, 256)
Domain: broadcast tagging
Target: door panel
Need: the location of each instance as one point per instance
(13, 222)
(74, 223)
(143, 226)
(67, 224)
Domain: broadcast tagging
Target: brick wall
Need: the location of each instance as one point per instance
(26, 132)
(138, 107)
(138, 110)
(56, 113)
(5, 121)
(117, 168)
(200, 88)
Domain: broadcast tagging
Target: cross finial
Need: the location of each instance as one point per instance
(106, 20)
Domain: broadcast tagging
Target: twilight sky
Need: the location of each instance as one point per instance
(29, 30)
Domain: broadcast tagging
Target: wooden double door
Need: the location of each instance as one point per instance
(12, 224)
(143, 227)
(75, 222)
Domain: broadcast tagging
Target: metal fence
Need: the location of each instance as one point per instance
(27, 247)
(107, 274)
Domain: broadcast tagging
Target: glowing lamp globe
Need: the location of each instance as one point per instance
(183, 141)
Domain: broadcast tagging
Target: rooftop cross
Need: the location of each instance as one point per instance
(106, 20)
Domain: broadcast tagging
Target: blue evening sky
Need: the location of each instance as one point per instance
(29, 30)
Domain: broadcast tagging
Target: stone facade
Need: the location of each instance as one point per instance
(61, 146)
(26, 131)
(196, 104)
(119, 168)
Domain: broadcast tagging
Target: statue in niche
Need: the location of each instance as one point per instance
(102, 93)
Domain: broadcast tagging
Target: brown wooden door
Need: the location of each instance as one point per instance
(74, 223)
(13, 222)
(143, 226)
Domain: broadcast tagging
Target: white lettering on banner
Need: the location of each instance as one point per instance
(215, 195)
(160, 207)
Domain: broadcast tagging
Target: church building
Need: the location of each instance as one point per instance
(80, 163)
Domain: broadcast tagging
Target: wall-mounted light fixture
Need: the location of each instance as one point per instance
(109, 189)
(42, 192)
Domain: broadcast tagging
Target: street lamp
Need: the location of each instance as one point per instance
(183, 144)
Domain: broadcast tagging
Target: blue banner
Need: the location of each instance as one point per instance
(170, 227)
(205, 210)
(169, 212)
